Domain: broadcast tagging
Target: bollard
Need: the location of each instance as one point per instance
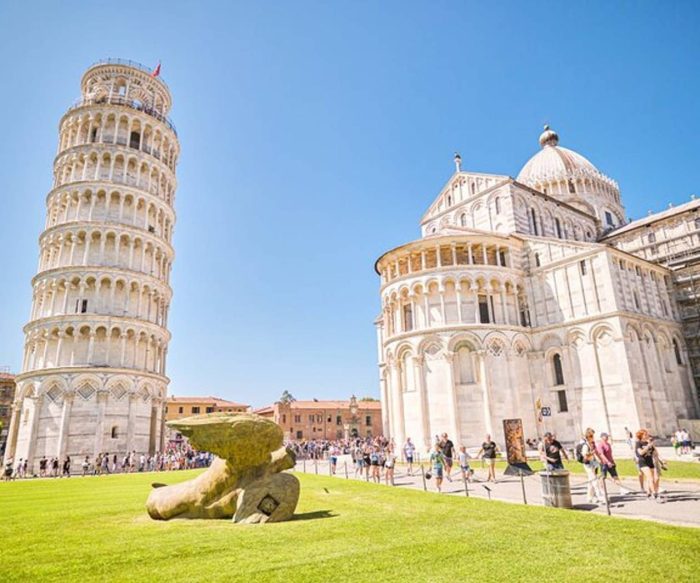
(488, 490)
(346, 471)
(466, 488)
(316, 465)
(607, 502)
(304, 464)
(422, 473)
(330, 467)
(522, 485)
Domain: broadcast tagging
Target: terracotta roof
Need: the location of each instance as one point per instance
(374, 405)
(213, 401)
(264, 410)
(6, 376)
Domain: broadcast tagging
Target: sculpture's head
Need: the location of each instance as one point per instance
(244, 439)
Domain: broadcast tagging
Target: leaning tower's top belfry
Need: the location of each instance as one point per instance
(93, 377)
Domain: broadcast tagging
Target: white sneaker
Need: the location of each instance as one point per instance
(625, 491)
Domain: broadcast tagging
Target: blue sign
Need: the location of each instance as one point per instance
(546, 411)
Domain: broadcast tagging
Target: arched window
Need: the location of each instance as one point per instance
(537, 259)
(677, 352)
(463, 219)
(636, 300)
(449, 200)
(652, 238)
(466, 365)
(557, 224)
(533, 217)
(407, 317)
(572, 188)
(114, 432)
(497, 203)
(558, 370)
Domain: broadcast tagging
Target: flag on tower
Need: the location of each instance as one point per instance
(156, 71)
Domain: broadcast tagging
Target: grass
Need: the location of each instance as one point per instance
(97, 529)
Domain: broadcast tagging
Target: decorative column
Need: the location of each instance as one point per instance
(453, 400)
(62, 444)
(423, 406)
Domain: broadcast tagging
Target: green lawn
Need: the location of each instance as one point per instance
(97, 529)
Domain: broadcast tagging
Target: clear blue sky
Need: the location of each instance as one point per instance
(315, 134)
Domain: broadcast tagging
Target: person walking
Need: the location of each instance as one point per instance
(448, 450)
(646, 451)
(86, 465)
(588, 456)
(437, 463)
(375, 463)
(389, 466)
(66, 467)
(463, 456)
(409, 451)
(9, 469)
(42, 466)
(607, 463)
(488, 452)
(550, 453)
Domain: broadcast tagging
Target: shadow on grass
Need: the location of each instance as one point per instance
(314, 515)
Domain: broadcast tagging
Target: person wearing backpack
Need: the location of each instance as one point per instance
(587, 454)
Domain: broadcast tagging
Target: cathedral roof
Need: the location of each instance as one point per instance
(692, 205)
(554, 163)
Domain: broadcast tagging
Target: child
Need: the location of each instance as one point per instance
(464, 457)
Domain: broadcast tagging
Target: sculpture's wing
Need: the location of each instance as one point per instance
(244, 439)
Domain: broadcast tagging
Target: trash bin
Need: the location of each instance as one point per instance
(556, 491)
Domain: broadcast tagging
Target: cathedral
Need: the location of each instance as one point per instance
(534, 298)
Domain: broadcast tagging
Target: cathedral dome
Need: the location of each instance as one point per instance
(554, 163)
(567, 176)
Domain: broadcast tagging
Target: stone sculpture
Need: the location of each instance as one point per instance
(244, 481)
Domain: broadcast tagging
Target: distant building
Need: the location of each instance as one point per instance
(7, 395)
(178, 407)
(326, 419)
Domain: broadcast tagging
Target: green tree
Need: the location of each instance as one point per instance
(287, 397)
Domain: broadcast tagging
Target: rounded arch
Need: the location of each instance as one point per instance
(464, 339)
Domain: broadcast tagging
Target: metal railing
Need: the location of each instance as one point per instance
(127, 63)
(125, 102)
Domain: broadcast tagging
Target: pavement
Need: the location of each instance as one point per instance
(679, 504)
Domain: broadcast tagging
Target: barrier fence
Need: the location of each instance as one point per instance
(346, 469)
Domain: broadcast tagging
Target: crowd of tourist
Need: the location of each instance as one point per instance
(177, 456)
(376, 458)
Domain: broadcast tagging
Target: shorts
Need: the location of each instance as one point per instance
(605, 470)
(360, 463)
(334, 460)
(448, 462)
(555, 466)
(409, 459)
(466, 468)
(437, 472)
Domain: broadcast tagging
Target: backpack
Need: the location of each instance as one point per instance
(578, 452)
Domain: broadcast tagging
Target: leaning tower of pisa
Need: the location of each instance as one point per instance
(93, 376)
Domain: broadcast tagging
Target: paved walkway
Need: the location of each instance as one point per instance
(679, 505)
